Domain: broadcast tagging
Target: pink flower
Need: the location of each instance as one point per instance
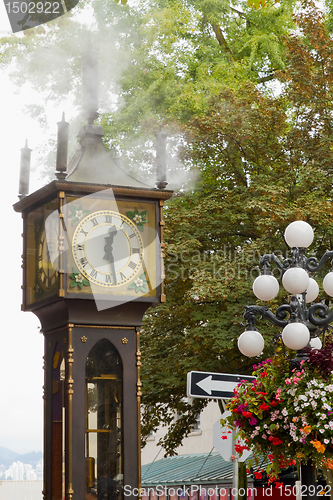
(288, 381)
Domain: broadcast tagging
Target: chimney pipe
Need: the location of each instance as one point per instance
(24, 171)
(62, 148)
(161, 159)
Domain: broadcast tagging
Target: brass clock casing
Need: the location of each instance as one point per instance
(108, 249)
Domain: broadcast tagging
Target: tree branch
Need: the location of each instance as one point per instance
(220, 38)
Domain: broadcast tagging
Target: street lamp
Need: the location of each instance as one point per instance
(301, 324)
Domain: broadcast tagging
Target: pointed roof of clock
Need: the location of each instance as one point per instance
(93, 163)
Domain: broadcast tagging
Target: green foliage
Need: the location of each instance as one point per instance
(265, 161)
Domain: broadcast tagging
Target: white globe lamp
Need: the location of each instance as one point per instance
(299, 234)
(295, 280)
(251, 343)
(316, 343)
(265, 287)
(312, 291)
(328, 284)
(295, 336)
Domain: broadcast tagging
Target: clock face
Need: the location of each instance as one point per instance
(46, 274)
(107, 248)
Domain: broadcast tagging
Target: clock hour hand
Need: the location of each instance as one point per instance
(108, 249)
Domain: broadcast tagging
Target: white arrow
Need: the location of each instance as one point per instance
(208, 385)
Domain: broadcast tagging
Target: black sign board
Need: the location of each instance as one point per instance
(213, 385)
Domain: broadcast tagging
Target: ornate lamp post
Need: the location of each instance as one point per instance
(302, 324)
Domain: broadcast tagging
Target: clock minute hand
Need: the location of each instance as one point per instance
(108, 249)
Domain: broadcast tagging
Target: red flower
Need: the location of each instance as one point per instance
(224, 437)
(263, 407)
(247, 414)
(275, 440)
(273, 403)
(263, 374)
(258, 475)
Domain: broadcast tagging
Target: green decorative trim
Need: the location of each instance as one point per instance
(140, 284)
(139, 218)
(77, 213)
(78, 279)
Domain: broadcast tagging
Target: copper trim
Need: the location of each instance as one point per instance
(162, 223)
(61, 292)
(138, 399)
(70, 382)
(106, 326)
(70, 188)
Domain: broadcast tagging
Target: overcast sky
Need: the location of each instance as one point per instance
(21, 344)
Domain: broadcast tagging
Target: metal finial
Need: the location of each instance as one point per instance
(62, 148)
(161, 166)
(24, 171)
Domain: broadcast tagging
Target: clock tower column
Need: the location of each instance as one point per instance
(92, 265)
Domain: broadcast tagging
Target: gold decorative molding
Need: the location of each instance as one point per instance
(124, 340)
(84, 339)
(138, 401)
(61, 248)
(70, 391)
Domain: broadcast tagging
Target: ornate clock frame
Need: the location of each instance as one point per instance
(72, 325)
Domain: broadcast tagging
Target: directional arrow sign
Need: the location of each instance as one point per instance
(213, 385)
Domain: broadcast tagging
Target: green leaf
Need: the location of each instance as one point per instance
(75, 222)
(131, 215)
(132, 285)
(136, 211)
(143, 214)
(140, 226)
(143, 276)
(144, 289)
(73, 284)
(80, 285)
(73, 208)
(75, 271)
(86, 282)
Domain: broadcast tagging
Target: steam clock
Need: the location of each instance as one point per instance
(92, 265)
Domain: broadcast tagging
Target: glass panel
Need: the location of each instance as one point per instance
(104, 399)
(57, 425)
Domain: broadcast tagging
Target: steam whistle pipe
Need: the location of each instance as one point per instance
(90, 85)
(161, 159)
(24, 171)
(62, 148)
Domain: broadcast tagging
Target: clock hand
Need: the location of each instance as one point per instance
(108, 249)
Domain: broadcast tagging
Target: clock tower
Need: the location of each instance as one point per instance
(92, 265)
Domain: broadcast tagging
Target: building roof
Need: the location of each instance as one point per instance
(187, 469)
(92, 163)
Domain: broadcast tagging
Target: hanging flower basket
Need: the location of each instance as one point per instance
(287, 415)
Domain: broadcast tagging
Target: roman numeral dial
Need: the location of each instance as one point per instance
(108, 249)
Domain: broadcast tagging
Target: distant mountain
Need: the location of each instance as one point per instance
(7, 457)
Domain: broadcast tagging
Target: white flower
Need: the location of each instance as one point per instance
(326, 441)
(79, 214)
(138, 282)
(304, 398)
(322, 430)
(137, 219)
(79, 278)
(321, 386)
(284, 412)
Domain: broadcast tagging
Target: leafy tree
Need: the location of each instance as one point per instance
(265, 161)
